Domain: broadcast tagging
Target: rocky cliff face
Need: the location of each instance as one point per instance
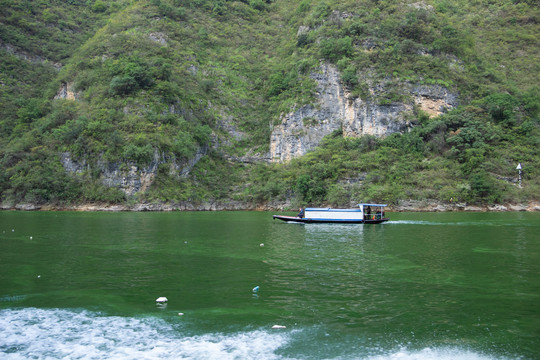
(303, 129)
(129, 177)
(298, 132)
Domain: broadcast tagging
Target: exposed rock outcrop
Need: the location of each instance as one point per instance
(302, 129)
(24, 55)
(129, 177)
(158, 37)
(434, 99)
(130, 180)
(67, 92)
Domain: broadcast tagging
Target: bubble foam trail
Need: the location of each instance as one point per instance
(32, 333)
(63, 334)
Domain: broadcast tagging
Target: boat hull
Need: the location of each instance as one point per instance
(327, 221)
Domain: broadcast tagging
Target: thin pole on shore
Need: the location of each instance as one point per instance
(519, 174)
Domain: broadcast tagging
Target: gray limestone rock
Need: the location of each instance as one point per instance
(302, 129)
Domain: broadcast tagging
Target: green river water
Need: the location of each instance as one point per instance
(422, 286)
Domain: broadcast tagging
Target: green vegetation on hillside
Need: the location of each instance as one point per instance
(158, 83)
(468, 155)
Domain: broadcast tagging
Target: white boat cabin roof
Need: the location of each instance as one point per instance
(360, 208)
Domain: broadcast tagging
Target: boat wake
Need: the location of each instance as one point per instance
(460, 223)
(435, 354)
(65, 334)
(415, 222)
(61, 334)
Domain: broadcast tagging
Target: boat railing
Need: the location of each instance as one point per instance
(374, 216)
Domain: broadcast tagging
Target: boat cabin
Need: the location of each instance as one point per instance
(363, 212)
(372, 211)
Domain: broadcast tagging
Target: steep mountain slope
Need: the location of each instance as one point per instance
(36, 40)
(187, 101)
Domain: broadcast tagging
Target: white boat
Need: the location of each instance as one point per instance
(364, 214)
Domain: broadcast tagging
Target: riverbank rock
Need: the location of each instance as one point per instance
(473, 208)
(27, 207)
(421, 205)
(518, 207)
(6, 206)
(401, 206)
(497, 208)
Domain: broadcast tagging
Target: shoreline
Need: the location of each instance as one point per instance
(402, 206)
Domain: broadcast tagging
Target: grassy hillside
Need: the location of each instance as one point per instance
(175, 80)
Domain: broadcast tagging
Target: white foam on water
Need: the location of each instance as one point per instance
(416, 222)
(459, 223)
(64, 334)
(45, 334)
(435, 354)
